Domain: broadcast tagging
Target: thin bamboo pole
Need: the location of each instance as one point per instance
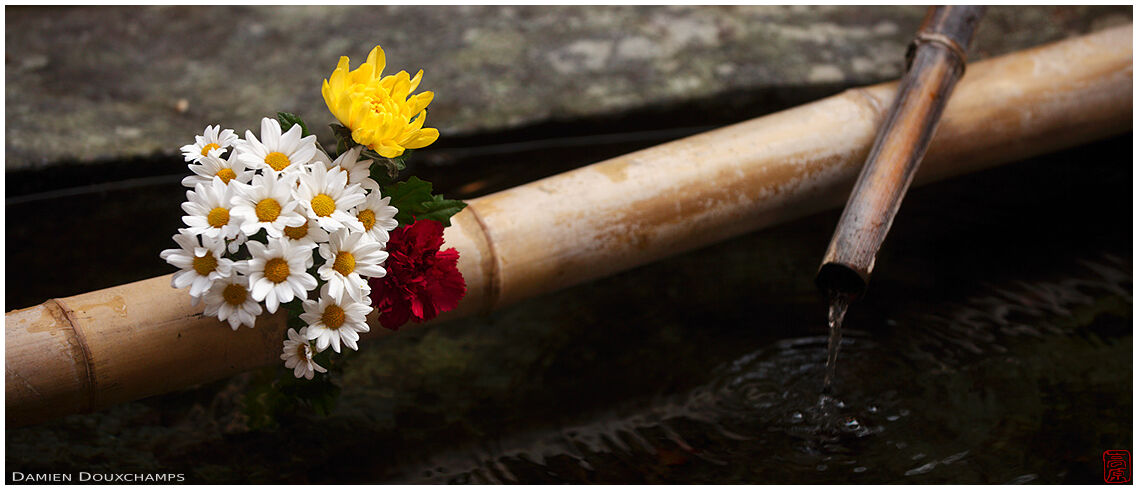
(90, 351)
(936, 64)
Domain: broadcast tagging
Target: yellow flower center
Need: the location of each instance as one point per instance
(302, 350)
(207, 148)
(345, 263)
(333, 317)
(205, 265)
(380, 101)
(323, 205)
(276, 270)
(218, 217)
(296, 232)
(277, 160)
(226, 174)
(367, 218)
(234, 294)
(268, 209)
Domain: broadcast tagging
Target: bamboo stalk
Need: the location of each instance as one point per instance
(936, 63)
(90, 351)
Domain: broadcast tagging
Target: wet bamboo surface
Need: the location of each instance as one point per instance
(86, 352)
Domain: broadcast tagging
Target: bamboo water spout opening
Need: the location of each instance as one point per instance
(936, 61)
(93, 350)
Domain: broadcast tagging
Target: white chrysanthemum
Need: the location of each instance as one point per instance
(377, 217)
(310, 233)
(321, 157)
(213, 165)
(229, 300)
(326, 197)
(201, 264)
(208, 210)
(359, 171)
(334, 321)
(286, 152)
(277, 272)
(238, 241)
(297, 355)
(349, 259)
(213, 139)
(267, 204)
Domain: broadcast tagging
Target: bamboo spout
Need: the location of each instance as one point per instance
(936, 62)
(90, 351)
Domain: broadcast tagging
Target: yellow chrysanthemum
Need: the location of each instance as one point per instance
(380, 112)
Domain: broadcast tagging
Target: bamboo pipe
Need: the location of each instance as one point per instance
(936, 62)
(90, 351)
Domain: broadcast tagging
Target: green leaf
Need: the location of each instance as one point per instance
(383, 170)
(408, 197)
(439, 209)
(288, 120)
(414, 200)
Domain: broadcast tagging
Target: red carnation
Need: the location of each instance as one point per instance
(421, 280)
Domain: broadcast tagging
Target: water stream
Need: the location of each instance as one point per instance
(839, 302)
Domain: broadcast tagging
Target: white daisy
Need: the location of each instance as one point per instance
(287, 152)
(201, 264)
(237, 241)
(326, 197)
(349, 258)
(309, 233)
(212, 165)
(229, 300)
(359, 171)
(277, 272)
(377, 217)
(331, 321)
(208, 210)
(322, 157)
(213, 138)
(297, 355)
(267, 204)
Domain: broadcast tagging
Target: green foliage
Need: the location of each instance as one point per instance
(439, 209)
(295, 308)
(343, 137)
(276, 394)
(413, 199)
(288, 120)
(387, 170)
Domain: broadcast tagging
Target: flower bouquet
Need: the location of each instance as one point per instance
(276, 221)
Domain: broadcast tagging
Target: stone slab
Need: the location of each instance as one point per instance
(97, 84)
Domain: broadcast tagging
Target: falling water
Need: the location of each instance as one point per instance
(838, 304)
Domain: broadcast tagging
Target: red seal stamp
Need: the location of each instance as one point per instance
(1116, 466)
